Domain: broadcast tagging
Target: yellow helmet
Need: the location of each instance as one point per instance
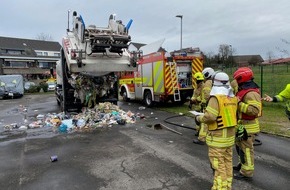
(198, 76)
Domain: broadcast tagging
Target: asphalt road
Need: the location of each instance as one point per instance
(122, 157)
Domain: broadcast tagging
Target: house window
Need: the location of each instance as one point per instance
(43, 65)
(14, 52)
(18, 64)
(46, 65)
(45, 53)
(39, 53)
(56, 54)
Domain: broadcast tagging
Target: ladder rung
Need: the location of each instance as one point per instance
(176, 94)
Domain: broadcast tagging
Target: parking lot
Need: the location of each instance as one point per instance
(133, 156)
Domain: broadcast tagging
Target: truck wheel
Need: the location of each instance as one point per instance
(179, 103)
(148, 98)
(58, 102)
(125, 95)
(62, 106)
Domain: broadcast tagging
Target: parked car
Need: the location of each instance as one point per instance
(2, 91)
(12, 85)
(28, 85)
(51, 85)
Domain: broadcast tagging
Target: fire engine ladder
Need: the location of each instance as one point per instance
(174, 77)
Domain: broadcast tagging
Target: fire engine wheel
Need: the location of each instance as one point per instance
(125, 95)
(148, 99)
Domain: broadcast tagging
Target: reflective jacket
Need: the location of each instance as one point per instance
(258, 104)
(206, 91)
(250, 105)
(226, 113)
(220, 116)
(284, 96)
(235, 86)
(197, 97)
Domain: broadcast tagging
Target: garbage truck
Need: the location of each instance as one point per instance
(11, 86)
(91, 58)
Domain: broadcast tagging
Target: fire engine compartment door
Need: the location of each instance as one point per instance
(184, 73)
(139, 81)
(158, 77)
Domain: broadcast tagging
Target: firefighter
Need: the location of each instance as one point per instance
(249, 110)
(208, 73)
(196, 99)
(284, 95)
(234, 86)
(221, 118)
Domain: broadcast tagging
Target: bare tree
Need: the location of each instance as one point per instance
(285, 41)
(44, 37)
(283, 50)
(225, 51)
(209, 58)
(270, 56)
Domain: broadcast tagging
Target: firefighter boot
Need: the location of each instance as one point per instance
(240, 176)
(237, 167)
(196, 141)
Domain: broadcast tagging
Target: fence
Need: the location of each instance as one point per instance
(272, 79)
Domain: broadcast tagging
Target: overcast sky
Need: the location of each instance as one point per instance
(249, 26)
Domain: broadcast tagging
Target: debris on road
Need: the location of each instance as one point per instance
(102, 115)
(53, 158)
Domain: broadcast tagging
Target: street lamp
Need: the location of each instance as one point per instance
(232, 59)
(180, 16)
(68, 20)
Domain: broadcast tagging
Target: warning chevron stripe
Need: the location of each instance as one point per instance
(196, 66)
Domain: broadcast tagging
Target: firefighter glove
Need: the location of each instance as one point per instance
(241, 133)
(196, 121)
(203, 106)
(190, 106)
(192, 101)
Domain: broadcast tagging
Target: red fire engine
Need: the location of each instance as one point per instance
(160, 77)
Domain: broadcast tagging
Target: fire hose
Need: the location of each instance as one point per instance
(256, 143)
(180, 125)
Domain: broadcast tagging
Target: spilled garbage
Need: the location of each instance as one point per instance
(102, 115)
(53, 158)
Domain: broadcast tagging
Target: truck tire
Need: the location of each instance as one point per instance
(148, 98)
(179, 103)
(125, 95)
(58, 102)
(62, 106)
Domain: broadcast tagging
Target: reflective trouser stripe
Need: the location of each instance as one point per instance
(221, 163)
(230, 181)
(246, 156)
(249, 165)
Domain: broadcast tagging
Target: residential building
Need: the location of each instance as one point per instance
(279, 61)
(246, 60)
(34, 59)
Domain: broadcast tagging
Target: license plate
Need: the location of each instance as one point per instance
(10, 94)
